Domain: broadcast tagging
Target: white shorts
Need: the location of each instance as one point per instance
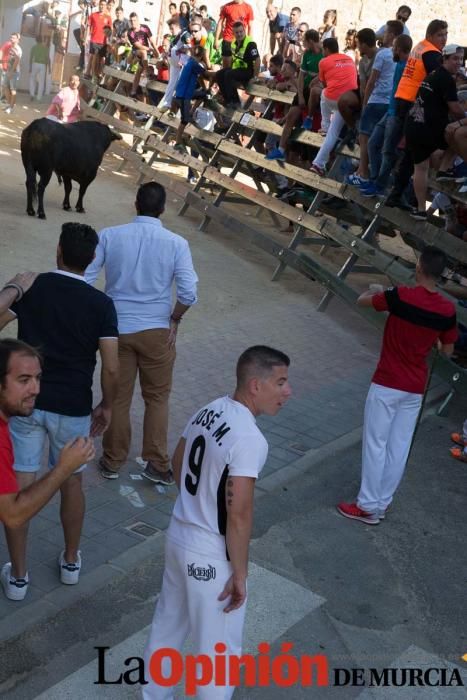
(188, 606)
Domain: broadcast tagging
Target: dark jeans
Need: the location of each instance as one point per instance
(405, 170)
(77, 35)
(382, 148)
(229, 80)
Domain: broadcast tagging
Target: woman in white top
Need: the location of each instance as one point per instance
(328, 29)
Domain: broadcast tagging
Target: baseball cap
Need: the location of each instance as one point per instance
(449, 49)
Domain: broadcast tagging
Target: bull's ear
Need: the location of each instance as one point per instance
(116, 136)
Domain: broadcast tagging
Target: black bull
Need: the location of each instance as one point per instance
(72, 151)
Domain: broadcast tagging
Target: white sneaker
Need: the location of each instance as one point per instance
(8, 110)
(69, 573)
(14, 588)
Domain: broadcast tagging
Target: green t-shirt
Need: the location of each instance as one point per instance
(40, 54)
(309, 64)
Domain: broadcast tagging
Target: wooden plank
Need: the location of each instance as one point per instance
(322, 184)
(309, 138)
(125, 101)
(257, 90)
(421, 230)
(129, 77)
(119, 124)
(451, 189)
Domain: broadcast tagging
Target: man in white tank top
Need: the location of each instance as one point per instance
(215, 464)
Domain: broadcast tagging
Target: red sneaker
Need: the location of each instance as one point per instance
(459, 439)
(458, 453)
(351, 510)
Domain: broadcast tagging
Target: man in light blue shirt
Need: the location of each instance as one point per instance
(142, 260)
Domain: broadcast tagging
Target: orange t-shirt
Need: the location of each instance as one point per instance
(339, 74)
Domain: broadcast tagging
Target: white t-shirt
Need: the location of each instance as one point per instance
(384, 63)
(222, 440)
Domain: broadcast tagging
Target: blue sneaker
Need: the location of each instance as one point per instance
(356, 180)
(371, 190)
(307, 123)
(275, 154)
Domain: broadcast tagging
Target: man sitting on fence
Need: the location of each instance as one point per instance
(187, 90)
(245, 66)
(142, 41)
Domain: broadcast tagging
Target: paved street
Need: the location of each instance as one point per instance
(384, 596)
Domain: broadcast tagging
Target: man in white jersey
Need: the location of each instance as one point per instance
(215, 464)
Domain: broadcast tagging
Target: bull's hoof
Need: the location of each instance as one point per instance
(81, 210)
(31, 212)
(66, 207)
(41, 215)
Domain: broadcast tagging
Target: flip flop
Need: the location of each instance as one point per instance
(458, 454)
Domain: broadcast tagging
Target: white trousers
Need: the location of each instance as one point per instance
(389, 423)
(322, 157)
(37, 76)
(328, 108)
(188, 606)
(174, 73)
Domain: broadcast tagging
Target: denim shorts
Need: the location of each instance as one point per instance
(29, 435)
(10, 82)
(371, 115)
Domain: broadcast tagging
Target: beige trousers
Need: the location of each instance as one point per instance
(147, 354)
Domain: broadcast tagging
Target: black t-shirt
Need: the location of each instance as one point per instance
(64, 317)
(430, 111)
(432, 60)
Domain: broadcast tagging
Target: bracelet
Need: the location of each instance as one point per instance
(176, 320)
(13, 285)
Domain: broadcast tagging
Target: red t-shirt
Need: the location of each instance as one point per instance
(235, 12)
(97, 22)
(339, 74)
(5, 49)
(417, 318)
(8, 483)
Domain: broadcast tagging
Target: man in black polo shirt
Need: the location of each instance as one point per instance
(69, 321)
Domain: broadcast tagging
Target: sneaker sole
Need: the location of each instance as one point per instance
(358, 517)
(157, 480)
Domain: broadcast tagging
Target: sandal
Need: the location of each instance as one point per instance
(458, 454)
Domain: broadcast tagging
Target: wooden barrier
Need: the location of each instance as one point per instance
(220, 150)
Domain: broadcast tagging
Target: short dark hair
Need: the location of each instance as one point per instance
(172, 4)
(435, 25)
(395, 26)
(296, 9)
(238, 24)
(311, 35)
(259, 360)
(119, 9)
(291, 63)
(133, 14)
(277, 59)
(331, 45)
(367, 36)
(150, 199)
(78, 243)
(432, 261)
(405, 8)
(203, 8)
(404, 43)
(8, 346)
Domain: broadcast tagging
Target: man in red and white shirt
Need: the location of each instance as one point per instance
(232, 12)
(98, 22)
(419, 317)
